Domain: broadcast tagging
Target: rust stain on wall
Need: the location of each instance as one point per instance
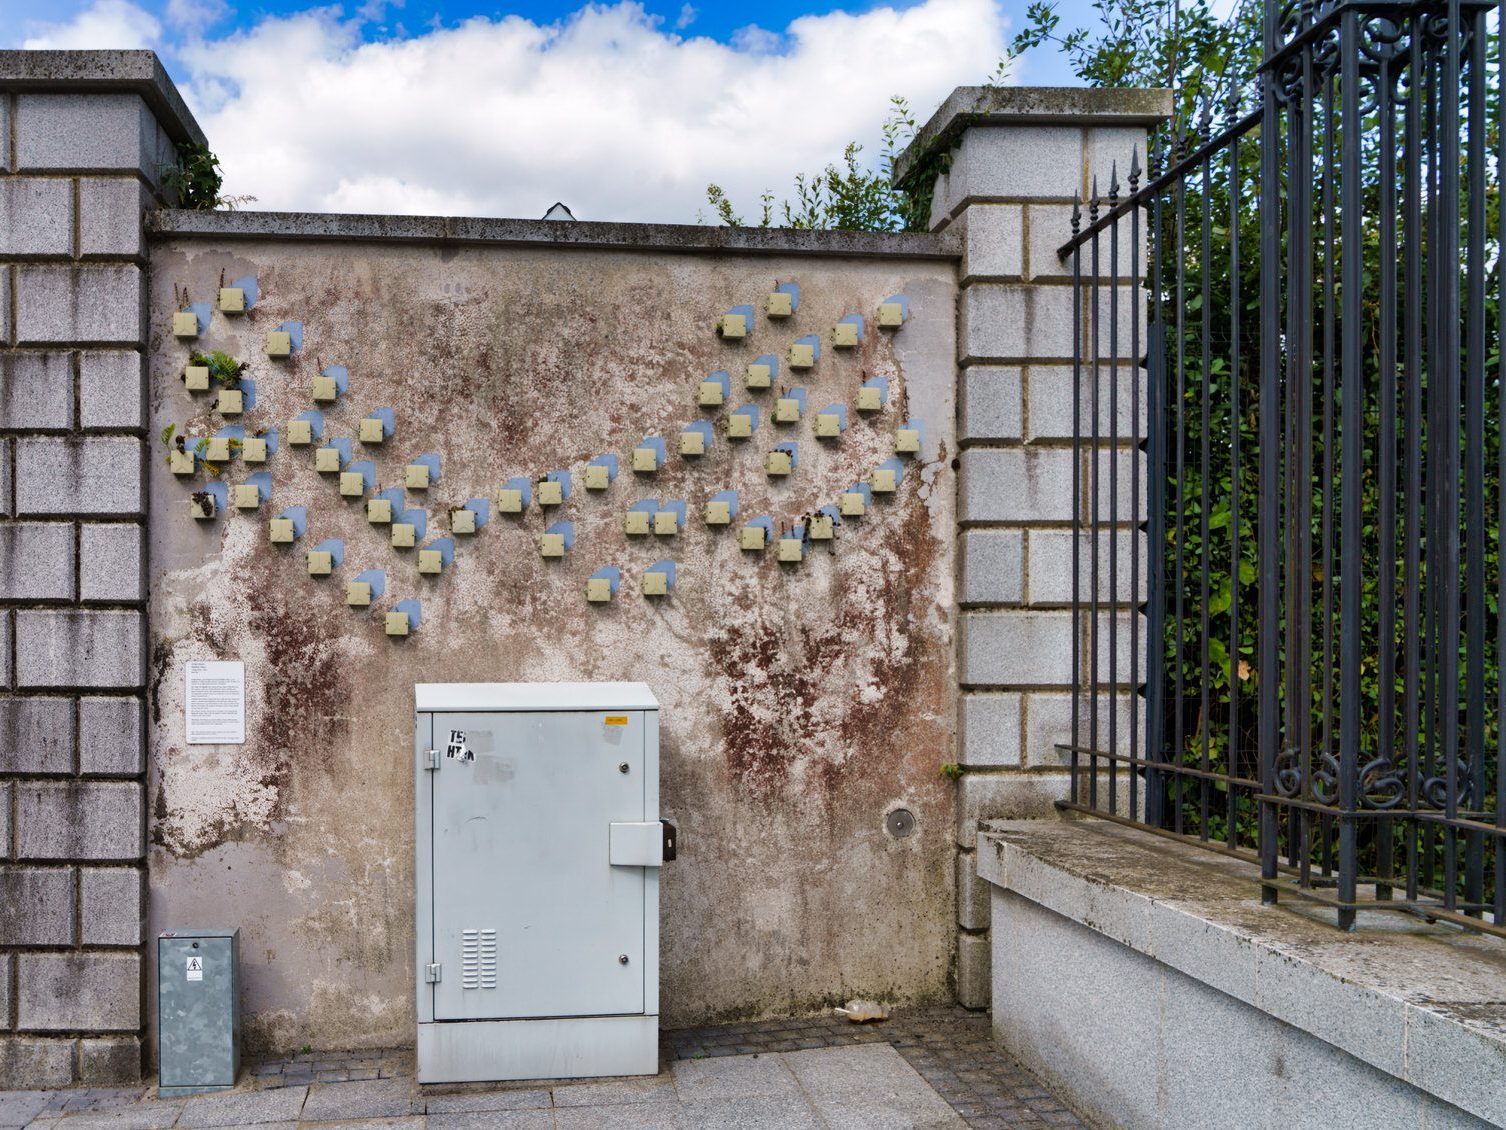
(799, 704)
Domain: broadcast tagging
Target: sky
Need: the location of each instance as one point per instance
(622, 110)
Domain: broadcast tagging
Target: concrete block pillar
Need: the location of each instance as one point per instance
(84, 139)
(1004, 165)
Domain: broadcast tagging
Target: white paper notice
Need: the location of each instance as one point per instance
(214, 705)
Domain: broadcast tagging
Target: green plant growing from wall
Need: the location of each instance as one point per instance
(196, 180)
(222, 367)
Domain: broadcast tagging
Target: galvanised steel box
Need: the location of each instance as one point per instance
(198, 1010)
(538, 848)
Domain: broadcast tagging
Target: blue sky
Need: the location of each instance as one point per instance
(624, 109)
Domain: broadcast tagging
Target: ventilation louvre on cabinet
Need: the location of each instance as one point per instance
(478, 959)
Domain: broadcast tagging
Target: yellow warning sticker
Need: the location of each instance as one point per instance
(617, 720)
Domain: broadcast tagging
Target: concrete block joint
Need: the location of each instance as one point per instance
(86, 136)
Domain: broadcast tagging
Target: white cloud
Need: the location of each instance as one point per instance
(606, 111)
(687, 17)
(104, 24)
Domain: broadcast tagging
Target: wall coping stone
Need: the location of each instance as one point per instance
(969, 106)
(100, 72)
(1421, 1002)
(450, 230)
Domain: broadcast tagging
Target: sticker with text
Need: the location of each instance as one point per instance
(457, 749)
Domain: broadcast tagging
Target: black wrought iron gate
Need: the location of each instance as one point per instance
(1314, 289)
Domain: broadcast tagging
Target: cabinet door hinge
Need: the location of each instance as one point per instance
(432, 973)
(431, 759)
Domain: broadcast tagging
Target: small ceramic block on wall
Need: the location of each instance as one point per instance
(551, 493)
(778, 463)
(551, 545)
(416, 476)
(636, 523)
(396, 623)
(598, 477)
(844, 335)
(885, 480)
(300, 432)
(893, 312)
(802, 356)
(254, 449)
(196, 378)
(907, 441)
(779, 304)
(666, 523)
(217, 449)
(202, 506)
(320, 562)
(430, 561)
(599, 590)
(692, 443)
(462, 521)
(645, 459)
(718, 513)
(790, 549)
(379, 511)
(510, 500)
(734, 323)
(358, 594)
(185, 324)
(739, 425)
(403, 534)
(327, 460)
(232, 402)
(280, 531)
(352, 484)
(760, 374)
(751, 537)
(279, 343)
(869, 399)
(828, 425)
(370, 430)
(712, 394)
(787, 411)
(180, 462)
(247, 496)
(326, 390)
(232, 300)
(852, 504)
(822, 527)
(655, 583)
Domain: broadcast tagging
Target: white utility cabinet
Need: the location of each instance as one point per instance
(538, 845)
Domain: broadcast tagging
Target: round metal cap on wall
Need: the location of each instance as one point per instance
(900, 823)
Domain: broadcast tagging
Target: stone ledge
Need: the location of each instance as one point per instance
(1422, 1003)
(449, 230)
(1030, 105)
(94, 72)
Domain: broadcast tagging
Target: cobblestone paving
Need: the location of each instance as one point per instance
(773, 1083)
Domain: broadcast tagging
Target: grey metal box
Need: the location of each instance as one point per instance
(538, 852)
(198, 1010)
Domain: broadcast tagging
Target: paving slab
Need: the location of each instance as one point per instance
(621, 1116)
(493, 1120)
(616, 1092)
(368, 1098)
(787, 1112)
(245, 1108)
(17, 1108)
(733, 1077)
(869, 1087)
(140, 1116)
(408, 1122)
(488, 1100)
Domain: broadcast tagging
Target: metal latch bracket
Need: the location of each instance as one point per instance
(431, 759)
(432, 973)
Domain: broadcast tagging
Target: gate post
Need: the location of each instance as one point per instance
(1005, 163)
(84, 138)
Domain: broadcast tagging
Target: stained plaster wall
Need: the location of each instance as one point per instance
(800, 704)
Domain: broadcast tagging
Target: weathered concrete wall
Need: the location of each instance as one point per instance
(800, 704)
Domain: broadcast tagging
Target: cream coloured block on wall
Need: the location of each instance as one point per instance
(300, 432)
(599, 590)
(870, 399)
(180, 462)
(185, 324)
(320, 562)
(822, 528)
(787, 410)
(790, 549)
(666, 523)
(851, 504)
(645, 459)
(232, 300)
(327, 460)
(802, 356)
(358, 593)
(196, 378)
(279, 343)
(246, 496)
(635, 523)
(828, 425)
(844, 335)
(325, 390)
(551, 493)
(751, 537)
(416, 476)
(371, 431)
(254, 449)
(510, 500)
(710, 395)
(759, 376)
(430, 561)
(396, 624)
(739, 425)
(352, 484)
(692, 443)
(890, 315)
(280, 531)
(379, 511)
(201, 507)
(777, 463)
(597, 477)
(462, 521)
(883, 481)
(907, 441)
(655, 583)
(551, 545)
(232, 402)
(403, 534)
(217, 450)
(718, 513)
(780, 304)
(732, 325)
